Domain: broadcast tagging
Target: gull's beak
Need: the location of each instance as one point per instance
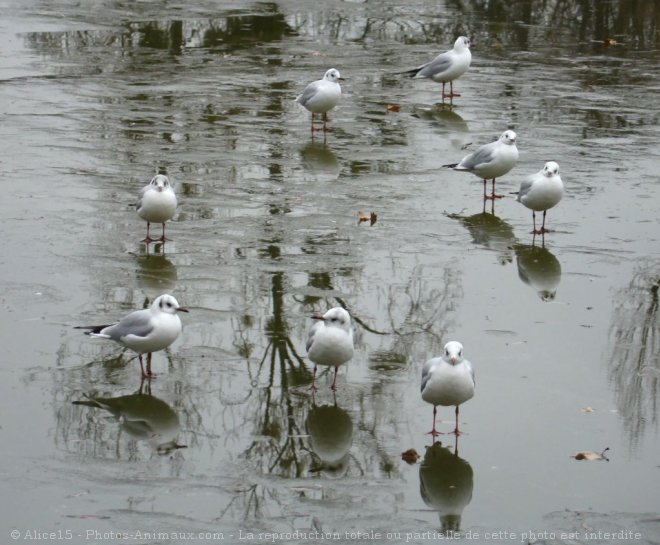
(317, 317)
(341, 79)
(182, 309)
(453, 360)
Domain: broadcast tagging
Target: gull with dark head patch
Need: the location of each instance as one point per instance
(540, 192)
(330, 341)
(157, 204)
(322, 95)
(491, 161)
(447, 66)
(447, 381)
(144, 331)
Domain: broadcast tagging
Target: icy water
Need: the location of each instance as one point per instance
(563, 331)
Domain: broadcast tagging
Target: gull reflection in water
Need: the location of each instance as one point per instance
(330, 430)
(445, 484)
(539, 268)
(320, 160)
(491, 232)
(142, 416)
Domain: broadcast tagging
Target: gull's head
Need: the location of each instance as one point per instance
(168, 304)
(453, 352)
(160, 182)
(551, 169)
(462, 42)
(336, 317)
(333, 75)
(508, 137)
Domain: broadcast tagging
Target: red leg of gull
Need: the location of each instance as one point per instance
(492, 191)
(163, 238)
(149, 375)
(313, 386)
(434, 433)
(485, 195)
(456, 432)
(543, 229)
(312, 122)
(333, 387)
(325, 121)
(451, 90)
(148, 239)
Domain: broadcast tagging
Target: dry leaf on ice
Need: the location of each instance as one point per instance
(410, 456)
(371, 218)
(591, 455)
(393, 108)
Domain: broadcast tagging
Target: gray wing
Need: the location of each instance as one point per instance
(481, 156)
(426, 371)
(312, 332)
(525, 188)
(438, 65)
(308, 93)
(138, 204)
(469, 366)
(136, 323)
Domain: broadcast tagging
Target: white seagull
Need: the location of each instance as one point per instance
(322, 95)
(157, 204)
(144, 331)
(447, 66)
(330, 341)
(541, 192)
(447, 381)
(491, 161)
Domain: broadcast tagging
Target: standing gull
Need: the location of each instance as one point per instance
(491, 161)
(322, 95)
(157, 204)
(330, 341)
(447, 381)
(144, 331)
(447, 66)
(540, 192)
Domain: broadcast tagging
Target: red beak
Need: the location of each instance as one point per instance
(317, 317)
(182, 309)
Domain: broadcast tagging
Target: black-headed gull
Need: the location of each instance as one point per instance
(322, 95)
(491, 161)
(447, 66)
(540, 192)
(330, 341)
(157, 204)
(447, 381)
(144, 331)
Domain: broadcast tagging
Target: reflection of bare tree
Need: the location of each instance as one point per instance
(634, 361)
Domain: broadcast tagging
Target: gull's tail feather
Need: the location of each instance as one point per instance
(410, 73)
(92, 329)
(453, 165)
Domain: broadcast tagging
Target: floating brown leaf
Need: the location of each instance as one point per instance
(371, 218)
(393, 108)
(591, 455)
(587, 409)
(410, 456)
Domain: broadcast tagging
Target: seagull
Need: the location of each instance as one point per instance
(540, 192)
(491, 161)
(144, 331)
(322, 95)
(447, 66)
(447, 381)
(330, 341)
(156, 204)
